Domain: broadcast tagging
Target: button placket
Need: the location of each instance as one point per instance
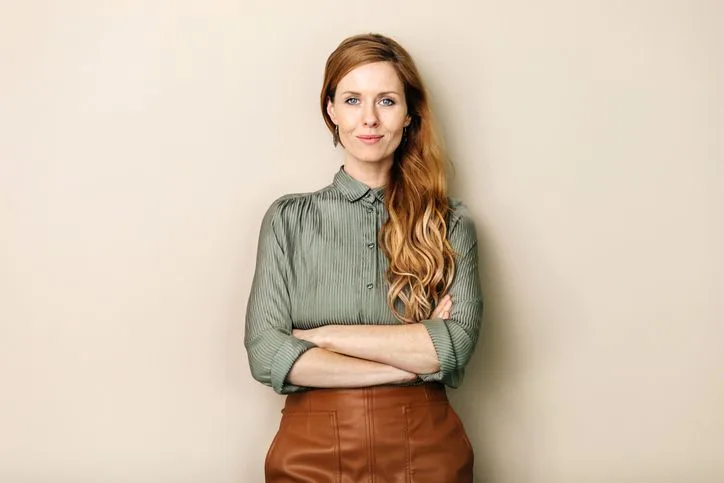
(371, 235)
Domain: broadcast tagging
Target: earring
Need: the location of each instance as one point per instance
(335, 139)
(404, 136)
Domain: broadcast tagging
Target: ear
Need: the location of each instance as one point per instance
(330, 111)
(408, 120)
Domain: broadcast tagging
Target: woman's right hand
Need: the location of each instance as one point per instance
(443, 308)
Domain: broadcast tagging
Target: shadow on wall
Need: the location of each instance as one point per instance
(490, 369)
(496, 398)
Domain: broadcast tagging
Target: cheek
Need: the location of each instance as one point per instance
(394, 122)
(346, 119)
(346, 125)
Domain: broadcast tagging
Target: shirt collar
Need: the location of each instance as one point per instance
(353, 189)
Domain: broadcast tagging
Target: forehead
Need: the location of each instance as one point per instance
(373, 77)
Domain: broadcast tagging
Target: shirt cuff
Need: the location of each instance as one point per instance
(441, 340)
(285, 357)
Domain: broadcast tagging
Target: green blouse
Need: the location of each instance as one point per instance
(318, 263)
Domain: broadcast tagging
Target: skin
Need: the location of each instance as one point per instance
(385, 354)
(369, 100)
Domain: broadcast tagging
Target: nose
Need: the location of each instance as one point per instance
(369, 116)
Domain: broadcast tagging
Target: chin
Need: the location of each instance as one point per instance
(367, 157)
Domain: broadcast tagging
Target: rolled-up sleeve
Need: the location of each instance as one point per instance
(270, 345)
(455, 338)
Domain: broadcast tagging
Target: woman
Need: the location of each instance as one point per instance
(366, 301)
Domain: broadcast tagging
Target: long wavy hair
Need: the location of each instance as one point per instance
(414, 237)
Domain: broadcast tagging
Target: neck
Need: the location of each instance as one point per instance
(373, 175)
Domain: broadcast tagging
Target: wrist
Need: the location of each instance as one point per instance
(319, 336)
(402, 376)
(411, 376)
(315, 336)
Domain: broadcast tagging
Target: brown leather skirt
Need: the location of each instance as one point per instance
(381, 434)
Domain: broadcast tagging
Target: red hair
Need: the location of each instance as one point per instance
(414, 238)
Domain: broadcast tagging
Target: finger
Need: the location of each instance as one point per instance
(444, 303)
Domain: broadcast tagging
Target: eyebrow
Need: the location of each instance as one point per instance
(380, 94)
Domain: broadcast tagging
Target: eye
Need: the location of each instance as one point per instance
(352, 101)
(387, 102)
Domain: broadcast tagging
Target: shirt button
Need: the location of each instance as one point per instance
(370, 210)
(370, 245)
(369, 285)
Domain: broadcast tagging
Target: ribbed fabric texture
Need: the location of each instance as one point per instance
(318, 263)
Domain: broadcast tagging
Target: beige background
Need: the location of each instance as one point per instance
(140, 143)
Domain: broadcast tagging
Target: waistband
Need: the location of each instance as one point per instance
(379, 397)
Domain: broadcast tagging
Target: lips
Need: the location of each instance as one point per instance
(369, 138)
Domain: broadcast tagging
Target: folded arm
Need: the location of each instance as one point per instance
(321, 368)
(407, 347)
(279, 359)
(438, 348)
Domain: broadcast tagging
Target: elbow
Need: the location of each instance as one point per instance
(261, 375)
(457, 355)
(260, 372)
(461, 363)
(453, 345)
(259, 365)
(430, 365)
(271, 355)
(463, 351)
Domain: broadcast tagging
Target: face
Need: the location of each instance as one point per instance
(370, 111)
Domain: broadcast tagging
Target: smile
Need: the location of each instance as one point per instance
(371, 139)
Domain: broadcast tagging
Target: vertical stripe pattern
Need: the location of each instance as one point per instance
(318, 263)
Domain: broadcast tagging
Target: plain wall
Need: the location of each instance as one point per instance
(141, 142)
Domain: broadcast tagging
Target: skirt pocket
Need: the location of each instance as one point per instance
(438, 449)
(306, 448)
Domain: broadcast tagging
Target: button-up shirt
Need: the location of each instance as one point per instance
(319, 263)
